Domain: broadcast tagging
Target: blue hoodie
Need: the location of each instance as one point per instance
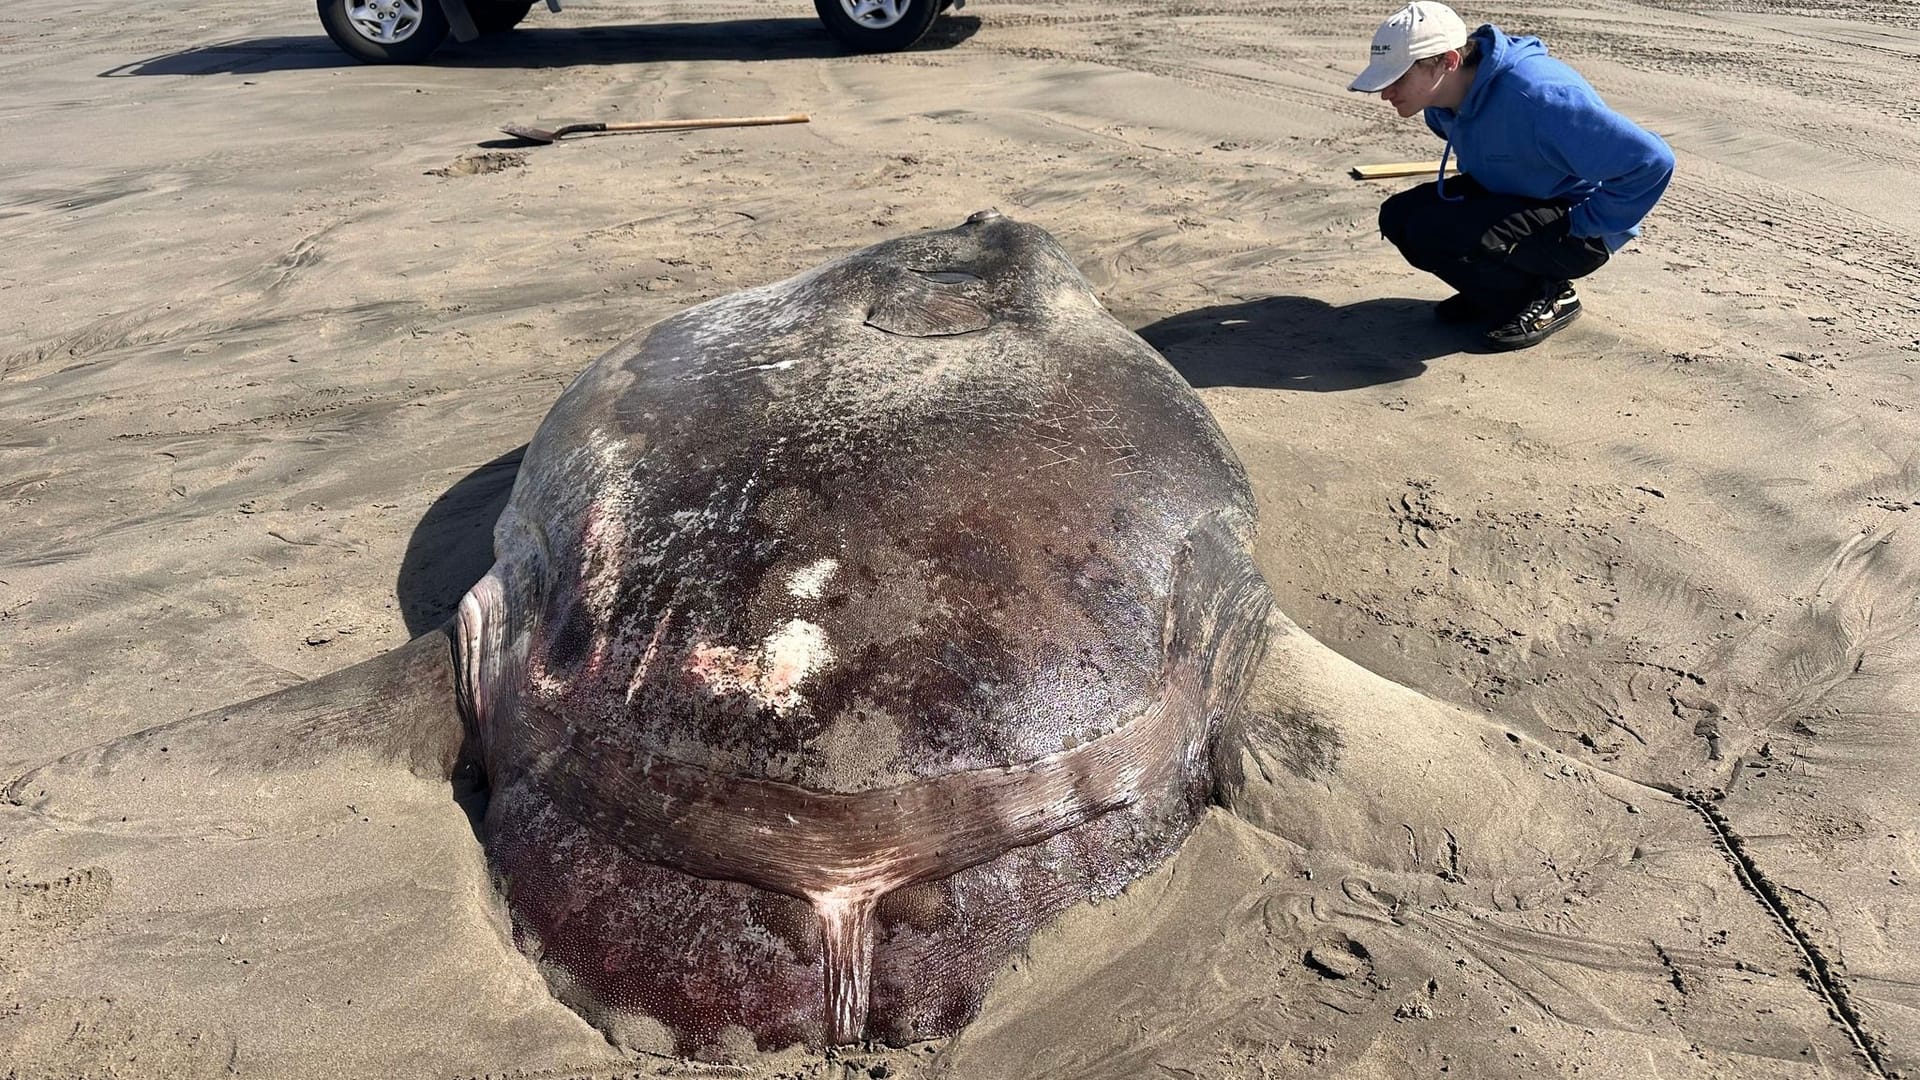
(1530, 125)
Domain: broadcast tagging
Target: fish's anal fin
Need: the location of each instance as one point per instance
(846, 932)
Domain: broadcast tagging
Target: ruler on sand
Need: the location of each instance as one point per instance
(1400, 168)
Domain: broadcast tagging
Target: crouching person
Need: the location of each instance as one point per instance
(1552, 181)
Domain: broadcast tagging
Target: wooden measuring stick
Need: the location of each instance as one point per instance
(1400, 168)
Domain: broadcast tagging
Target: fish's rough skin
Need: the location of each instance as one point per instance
(845, 630)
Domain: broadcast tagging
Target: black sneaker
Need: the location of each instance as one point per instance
(1459, 309)
(1538, 321)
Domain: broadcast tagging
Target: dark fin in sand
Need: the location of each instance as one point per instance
(398, 707)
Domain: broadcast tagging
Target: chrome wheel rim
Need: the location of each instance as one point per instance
(384, 22)
(875, 14)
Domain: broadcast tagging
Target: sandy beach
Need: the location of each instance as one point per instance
(275, 328)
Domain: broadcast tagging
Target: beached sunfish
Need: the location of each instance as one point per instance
(846, 629)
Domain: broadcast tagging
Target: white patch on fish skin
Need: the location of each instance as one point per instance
(646, 659)
(794, 652)
(599, 579)
(609, 450)
(809, 581)
(770, 674)
(765, 311)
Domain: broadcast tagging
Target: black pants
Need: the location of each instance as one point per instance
(1500, 250)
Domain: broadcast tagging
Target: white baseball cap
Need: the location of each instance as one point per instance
(1421, 29)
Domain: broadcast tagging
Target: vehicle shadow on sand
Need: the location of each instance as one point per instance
(536, 46)
(1299, 343)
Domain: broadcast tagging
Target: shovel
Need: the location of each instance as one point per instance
(542, 135)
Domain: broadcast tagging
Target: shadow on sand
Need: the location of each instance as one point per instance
(452, 546)
(534, 46)
(1298, 343)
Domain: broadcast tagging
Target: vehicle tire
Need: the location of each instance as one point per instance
(385, 31)
(497, 16)
(877, 25)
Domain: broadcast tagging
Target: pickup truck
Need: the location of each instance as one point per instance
(407, 31)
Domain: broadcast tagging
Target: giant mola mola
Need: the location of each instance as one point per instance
(842, 633)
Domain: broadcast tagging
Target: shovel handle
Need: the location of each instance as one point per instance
(683, 125)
